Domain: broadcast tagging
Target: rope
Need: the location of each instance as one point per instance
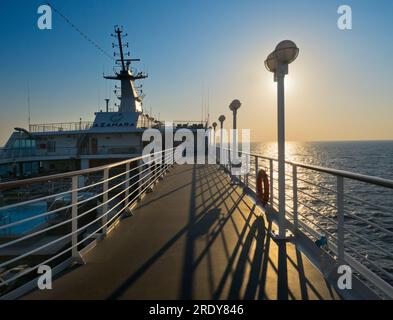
(81, 33)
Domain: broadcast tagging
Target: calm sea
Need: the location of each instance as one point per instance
(367, 208)
(367, 157)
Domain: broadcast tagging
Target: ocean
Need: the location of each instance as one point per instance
(368, 208)
(366, 157)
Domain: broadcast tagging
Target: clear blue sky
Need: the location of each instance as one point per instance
(341, 86)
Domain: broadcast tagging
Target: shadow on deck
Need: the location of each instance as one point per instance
(195, 237)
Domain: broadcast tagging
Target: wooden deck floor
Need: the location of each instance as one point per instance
(195, 237)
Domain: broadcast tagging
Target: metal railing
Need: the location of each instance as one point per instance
(10, 154)
(76, 215)
(189, 124)
(324, 203)
(63, 126)
(144, 122)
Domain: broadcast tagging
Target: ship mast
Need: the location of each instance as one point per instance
(130, 98)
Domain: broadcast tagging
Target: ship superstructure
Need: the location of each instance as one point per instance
(113, 135)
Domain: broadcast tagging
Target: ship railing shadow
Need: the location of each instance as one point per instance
(214, 203)
(208, 176)
(253, 240)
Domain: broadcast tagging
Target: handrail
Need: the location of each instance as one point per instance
(350, 175)
(69, 191)
(13, 184)
(60, 126)
(342, 173)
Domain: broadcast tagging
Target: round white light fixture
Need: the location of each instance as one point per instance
(235, 104)
(286, 52)
(271, 62)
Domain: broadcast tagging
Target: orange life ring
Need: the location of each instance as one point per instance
(263, 190)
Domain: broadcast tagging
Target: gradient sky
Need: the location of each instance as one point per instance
(339, 88)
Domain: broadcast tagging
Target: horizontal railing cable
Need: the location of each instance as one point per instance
(148, 180)
(75, 232)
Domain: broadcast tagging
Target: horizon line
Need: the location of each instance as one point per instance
(346, 140)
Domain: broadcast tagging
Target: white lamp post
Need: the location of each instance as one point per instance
(234, 106)
(214, 140)
(221, 119)
(214, 124)
(277, 62)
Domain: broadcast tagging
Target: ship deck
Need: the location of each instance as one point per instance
(195, 237)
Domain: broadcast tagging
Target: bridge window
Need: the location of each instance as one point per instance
(24, 144)
(51, 146)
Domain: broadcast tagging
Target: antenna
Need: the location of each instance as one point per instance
(202, 108)
(208, 106)
(78, 30)
(28, 106)
(125, 64)
(118, 32)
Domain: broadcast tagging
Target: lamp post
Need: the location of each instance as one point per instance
(234, 106)
(214, 124)
(277, 62)
(221, 119)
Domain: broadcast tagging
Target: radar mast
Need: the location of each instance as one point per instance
(130, 98)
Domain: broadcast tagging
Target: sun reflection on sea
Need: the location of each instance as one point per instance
(294, 151)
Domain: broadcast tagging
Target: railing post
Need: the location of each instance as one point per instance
(222, 157)
(140, 178)
(295, 200)
(163, 164)
(248, 158)
(105, 201)
(340, 219)
(227, 160)
(150, 175)
(156, 169)
(74, 216)
(163, 157)
(256, 171)
(160, 166)
(240, 176)
(154, 175)
(127, 185)
(229, 163)
(271, 182)
(171, 162)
